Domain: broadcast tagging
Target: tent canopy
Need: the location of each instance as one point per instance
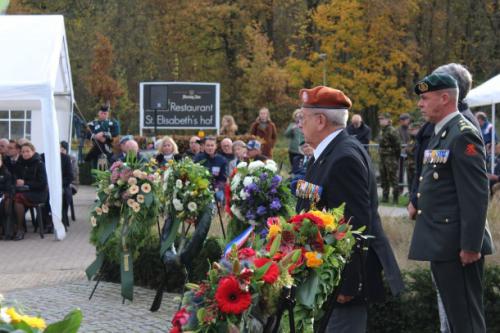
(487, 93)
(35, 75)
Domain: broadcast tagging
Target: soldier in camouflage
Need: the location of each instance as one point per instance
(389, 150)
(410, 151)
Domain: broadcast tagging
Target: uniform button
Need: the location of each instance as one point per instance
(434, 166)
(446, 220)
(419, 212)
(421, 178)
(418, 195)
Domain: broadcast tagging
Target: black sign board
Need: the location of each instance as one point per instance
(181, 105)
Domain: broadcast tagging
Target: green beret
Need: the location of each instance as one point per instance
(435, 82)
(385, 115)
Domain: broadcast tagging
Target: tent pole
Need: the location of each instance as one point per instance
(493, 142)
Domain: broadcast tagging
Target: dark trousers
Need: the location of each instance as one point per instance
(348, 319)
(461, 289)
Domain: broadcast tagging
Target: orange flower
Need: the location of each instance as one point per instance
(313, 259)
(328, 219)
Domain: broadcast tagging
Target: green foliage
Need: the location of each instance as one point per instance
(70, 324)
(416, 310)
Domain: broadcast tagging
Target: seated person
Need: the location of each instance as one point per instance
(216, 164)
(254, 152)
(31, 184)
(226, 149)
(167, 151)
(75, 170)
(6, 187)
(12, 155)
(240, 154)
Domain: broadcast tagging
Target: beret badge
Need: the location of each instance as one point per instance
(423, 87)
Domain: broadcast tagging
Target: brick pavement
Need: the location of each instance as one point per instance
(47, 276)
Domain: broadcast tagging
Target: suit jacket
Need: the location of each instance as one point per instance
(452, 195)
(345, 172)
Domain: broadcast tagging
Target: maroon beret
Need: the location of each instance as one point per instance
(324, 98)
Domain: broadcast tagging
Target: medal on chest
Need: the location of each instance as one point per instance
(436, 156)
(308, 191)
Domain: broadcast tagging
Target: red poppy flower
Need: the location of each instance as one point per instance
(272, 272)
(180, 318)
(246, 253)
(230, 298)
(297, 220)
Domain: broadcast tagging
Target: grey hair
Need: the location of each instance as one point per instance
(459, 73)
(453, 93)
(337, 117)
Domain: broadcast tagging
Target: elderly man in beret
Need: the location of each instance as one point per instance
(450, 230)
(341, 169)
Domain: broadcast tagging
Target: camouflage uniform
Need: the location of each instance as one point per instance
(410, 160)
(389, 150)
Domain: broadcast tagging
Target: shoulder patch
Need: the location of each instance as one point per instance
(470, 150)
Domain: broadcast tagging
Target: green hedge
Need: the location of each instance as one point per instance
(416, 310)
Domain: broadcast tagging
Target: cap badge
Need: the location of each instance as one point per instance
(423, 87)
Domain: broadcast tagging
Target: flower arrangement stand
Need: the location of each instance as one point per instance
(287, 302)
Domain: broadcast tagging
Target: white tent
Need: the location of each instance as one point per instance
(487, 93)
(35, 85)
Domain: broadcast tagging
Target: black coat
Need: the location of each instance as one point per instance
(345, 172)
(32, 171)
(11, 164)
(6, 180)
(363, 133)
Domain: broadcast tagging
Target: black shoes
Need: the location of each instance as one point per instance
(19, 236)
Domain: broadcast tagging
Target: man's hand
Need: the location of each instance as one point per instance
(100, 137)
(19, 182)
(344, 299)
(412, 211)
(468, 257)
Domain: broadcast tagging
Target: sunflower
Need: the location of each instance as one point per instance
(231, 299)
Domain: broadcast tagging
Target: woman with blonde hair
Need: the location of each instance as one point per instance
(229, 127)
(167, 150)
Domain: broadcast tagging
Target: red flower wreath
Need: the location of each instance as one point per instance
(230, 298)
(272, 272)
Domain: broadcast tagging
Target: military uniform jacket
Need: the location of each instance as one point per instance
(390, 143)
(109, 127)
(345, 174)
(452, 195)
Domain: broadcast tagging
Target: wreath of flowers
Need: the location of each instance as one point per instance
(256, 192)
(243, 289)
(127, 207)
(187, 189)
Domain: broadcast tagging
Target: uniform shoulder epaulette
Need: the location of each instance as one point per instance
(464, 126)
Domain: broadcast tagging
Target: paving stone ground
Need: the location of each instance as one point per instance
(47, 277)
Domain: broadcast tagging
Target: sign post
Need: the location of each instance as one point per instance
(179, 105)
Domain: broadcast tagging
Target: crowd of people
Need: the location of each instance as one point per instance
(23, 186)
